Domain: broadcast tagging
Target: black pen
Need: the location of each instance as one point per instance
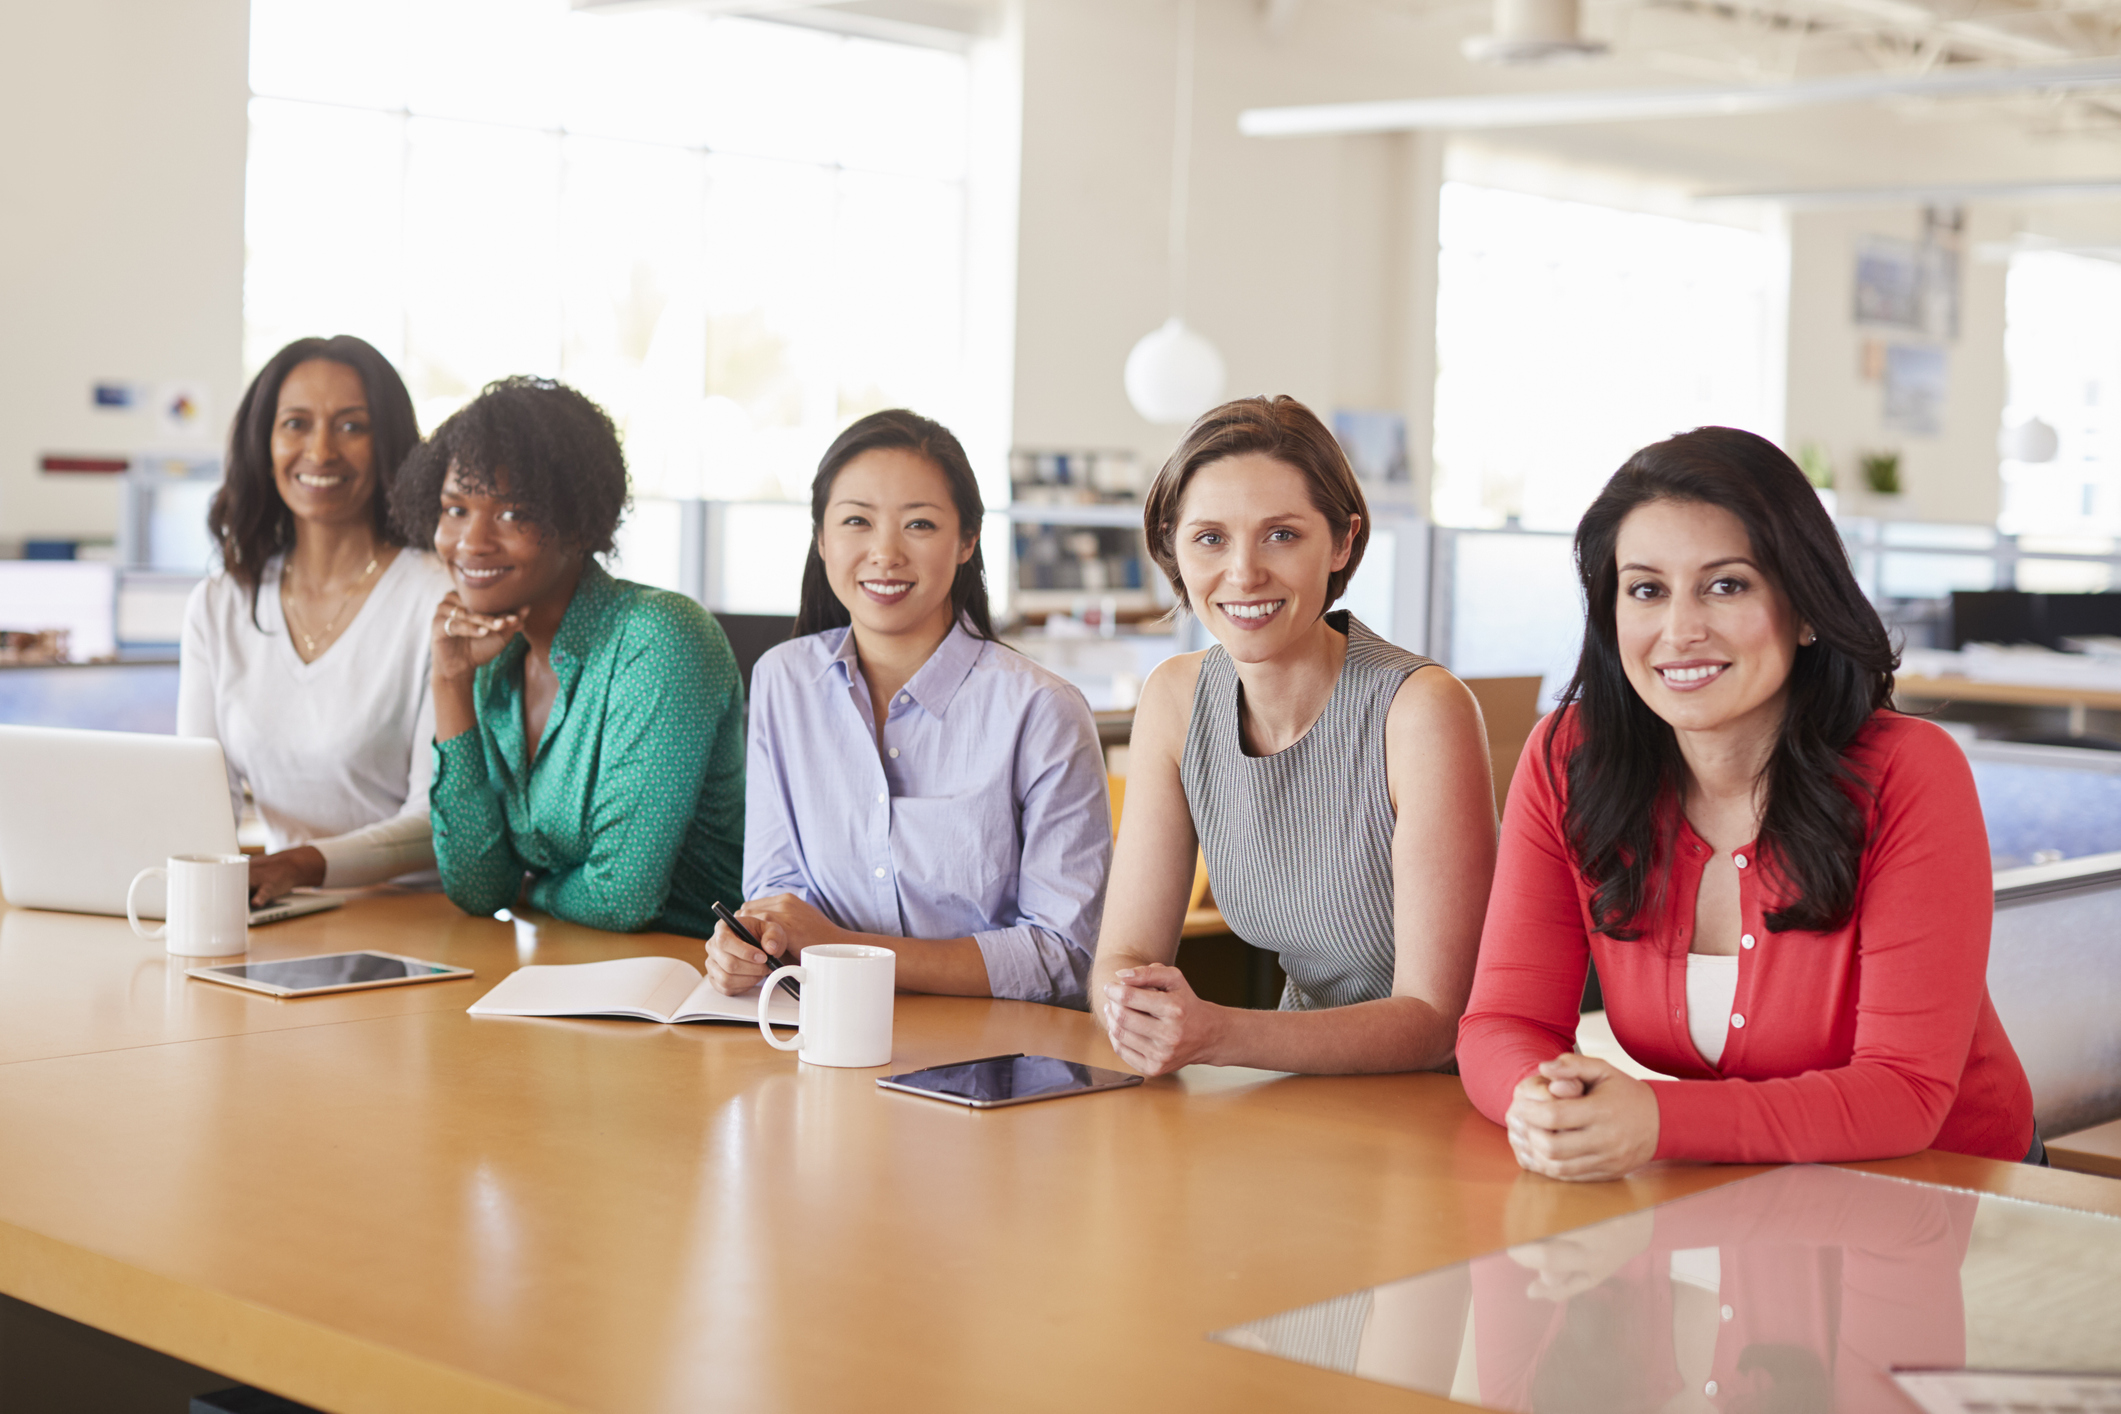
(743, 935)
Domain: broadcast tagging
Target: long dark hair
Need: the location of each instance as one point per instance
(909, 431)
(1625, 773)
(248, 520)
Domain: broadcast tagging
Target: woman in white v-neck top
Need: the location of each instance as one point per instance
(305, 655)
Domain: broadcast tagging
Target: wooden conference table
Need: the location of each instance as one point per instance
(376, 1202)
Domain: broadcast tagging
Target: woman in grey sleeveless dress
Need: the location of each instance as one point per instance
(1337, 785)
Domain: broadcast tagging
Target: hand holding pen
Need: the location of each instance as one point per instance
(738, 959)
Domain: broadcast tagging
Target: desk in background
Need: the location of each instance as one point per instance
(1923, 693)
(133, 696)
(377, 1202)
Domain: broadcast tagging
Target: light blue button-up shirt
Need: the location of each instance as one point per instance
(979, 809)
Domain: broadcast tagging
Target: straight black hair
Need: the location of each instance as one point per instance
(248, 520)
(1625, 774)
(908, 431)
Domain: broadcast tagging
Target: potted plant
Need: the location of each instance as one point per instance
(1818, 468)
(1881, 473)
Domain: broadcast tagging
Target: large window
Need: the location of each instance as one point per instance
(2060, 342)
(1569, 335)
(735, 235)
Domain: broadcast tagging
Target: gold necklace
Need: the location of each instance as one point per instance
(309, 642)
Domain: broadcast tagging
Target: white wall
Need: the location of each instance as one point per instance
(1313, 269)
(122, 128)
(1947, 477)
(1311, 259)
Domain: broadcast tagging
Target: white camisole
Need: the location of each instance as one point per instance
(1711, 986)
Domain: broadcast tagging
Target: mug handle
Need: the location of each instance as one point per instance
(793, 974)
(132, 915)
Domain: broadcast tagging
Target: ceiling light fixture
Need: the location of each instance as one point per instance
(1173, 375)
(2032, 441)
(1624, 105)
(1936, 194)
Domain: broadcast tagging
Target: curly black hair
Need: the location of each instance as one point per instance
(247, 519)
(537, 444)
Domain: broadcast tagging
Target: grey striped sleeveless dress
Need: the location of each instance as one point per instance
(1299, 844)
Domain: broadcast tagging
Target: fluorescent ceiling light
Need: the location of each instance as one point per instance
(2030, 189)
(1622, 105)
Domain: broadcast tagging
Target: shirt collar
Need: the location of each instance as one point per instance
(843, 657)
(936, 683)
(588, 618)
(945, 671)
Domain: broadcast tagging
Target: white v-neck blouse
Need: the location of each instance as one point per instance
(335, 751)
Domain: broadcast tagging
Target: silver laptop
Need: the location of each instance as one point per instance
(81, 813)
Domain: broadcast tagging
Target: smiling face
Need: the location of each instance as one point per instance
(1255, 554)
(891, 543)
(498, 558)
(1706, 638)
(323, 453)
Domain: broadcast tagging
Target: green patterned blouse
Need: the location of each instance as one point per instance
(632, 815)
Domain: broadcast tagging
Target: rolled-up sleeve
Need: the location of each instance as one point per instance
(1065, 829)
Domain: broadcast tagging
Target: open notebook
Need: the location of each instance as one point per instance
(650, 988)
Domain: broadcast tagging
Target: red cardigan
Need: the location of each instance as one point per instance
(1873, 1040)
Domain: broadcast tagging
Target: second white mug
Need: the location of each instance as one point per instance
(209, 905)
(846, 1005)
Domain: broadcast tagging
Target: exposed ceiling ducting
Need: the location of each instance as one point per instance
(1533, 32)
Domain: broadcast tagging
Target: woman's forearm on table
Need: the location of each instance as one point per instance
(950, 967)
(1111, 961)
(1390, 1034)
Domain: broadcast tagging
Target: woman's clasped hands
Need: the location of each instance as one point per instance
(1579, 1118)
(1155, 1020)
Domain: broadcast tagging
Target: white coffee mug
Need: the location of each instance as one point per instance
(209, 904)
(845, 1007)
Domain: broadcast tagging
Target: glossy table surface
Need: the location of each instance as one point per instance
(376, 1202)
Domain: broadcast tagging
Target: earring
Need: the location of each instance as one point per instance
(1808, 640)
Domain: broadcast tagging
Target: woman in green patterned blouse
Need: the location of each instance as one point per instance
(588, 731)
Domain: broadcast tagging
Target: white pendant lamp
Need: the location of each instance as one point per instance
(1174, 375)
(2032, 440)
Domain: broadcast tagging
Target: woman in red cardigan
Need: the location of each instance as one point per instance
(1785, 885)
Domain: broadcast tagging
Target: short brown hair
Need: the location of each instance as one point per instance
(1279, 427)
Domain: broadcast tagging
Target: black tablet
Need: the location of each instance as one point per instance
(331, 972)
(994, 1081)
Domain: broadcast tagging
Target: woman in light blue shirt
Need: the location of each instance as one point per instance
(912, 783)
